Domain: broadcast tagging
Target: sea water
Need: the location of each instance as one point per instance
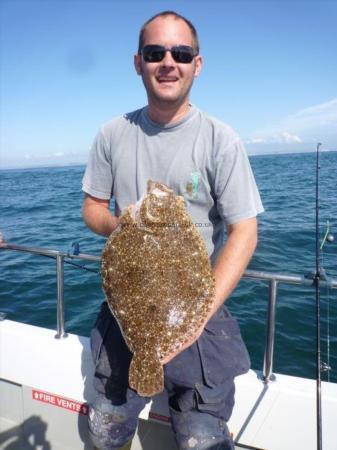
(42, 208)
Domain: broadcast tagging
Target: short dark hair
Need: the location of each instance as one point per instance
(177, 16)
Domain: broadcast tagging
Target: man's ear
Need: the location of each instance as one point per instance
(198, 65)
(137, 61)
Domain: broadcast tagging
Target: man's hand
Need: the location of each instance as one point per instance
(186, 345)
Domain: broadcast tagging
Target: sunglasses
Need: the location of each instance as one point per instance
(183, 54)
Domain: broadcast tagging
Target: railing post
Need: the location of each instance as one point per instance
(269, 350)
(60, 296)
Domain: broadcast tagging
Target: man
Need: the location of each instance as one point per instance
(202, 159)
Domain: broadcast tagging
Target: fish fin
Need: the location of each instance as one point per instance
(146, 374)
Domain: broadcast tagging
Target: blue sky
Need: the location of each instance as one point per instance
(67, 67)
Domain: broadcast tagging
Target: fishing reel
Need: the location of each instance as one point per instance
(328, 237)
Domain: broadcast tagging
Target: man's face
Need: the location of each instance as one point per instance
(167, 82)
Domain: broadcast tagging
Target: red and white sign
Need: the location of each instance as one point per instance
(61, 402)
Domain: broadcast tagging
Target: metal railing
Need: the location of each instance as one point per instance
(273, 279)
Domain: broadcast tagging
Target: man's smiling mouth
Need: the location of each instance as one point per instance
(167, 79)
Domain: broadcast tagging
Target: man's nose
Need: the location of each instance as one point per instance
(168, 60)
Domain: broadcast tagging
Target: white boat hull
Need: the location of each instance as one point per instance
(45, 385)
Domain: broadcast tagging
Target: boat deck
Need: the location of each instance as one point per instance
(150, 436)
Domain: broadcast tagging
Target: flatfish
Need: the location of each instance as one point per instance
(158, 282)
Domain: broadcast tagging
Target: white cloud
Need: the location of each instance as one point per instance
(283, 137)
(326, 112)
(255, 141)
(286, 137)
(306, 126)
(323, 114)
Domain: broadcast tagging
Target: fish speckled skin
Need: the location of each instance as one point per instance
(158, 282)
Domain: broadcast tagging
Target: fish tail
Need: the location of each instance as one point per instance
(146, 374)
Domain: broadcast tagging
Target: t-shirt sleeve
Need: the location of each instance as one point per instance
(97, 180)
(235, 188)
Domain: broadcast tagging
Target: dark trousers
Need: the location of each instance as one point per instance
(199, 382)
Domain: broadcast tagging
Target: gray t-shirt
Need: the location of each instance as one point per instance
(198, 157)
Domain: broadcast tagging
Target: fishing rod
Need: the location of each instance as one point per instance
(319, 275)
(318, 313)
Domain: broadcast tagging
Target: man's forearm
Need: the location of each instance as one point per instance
(98, 218)
(233, 259)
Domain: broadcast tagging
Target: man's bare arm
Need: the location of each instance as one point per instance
(233, 259)
(97, 216)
